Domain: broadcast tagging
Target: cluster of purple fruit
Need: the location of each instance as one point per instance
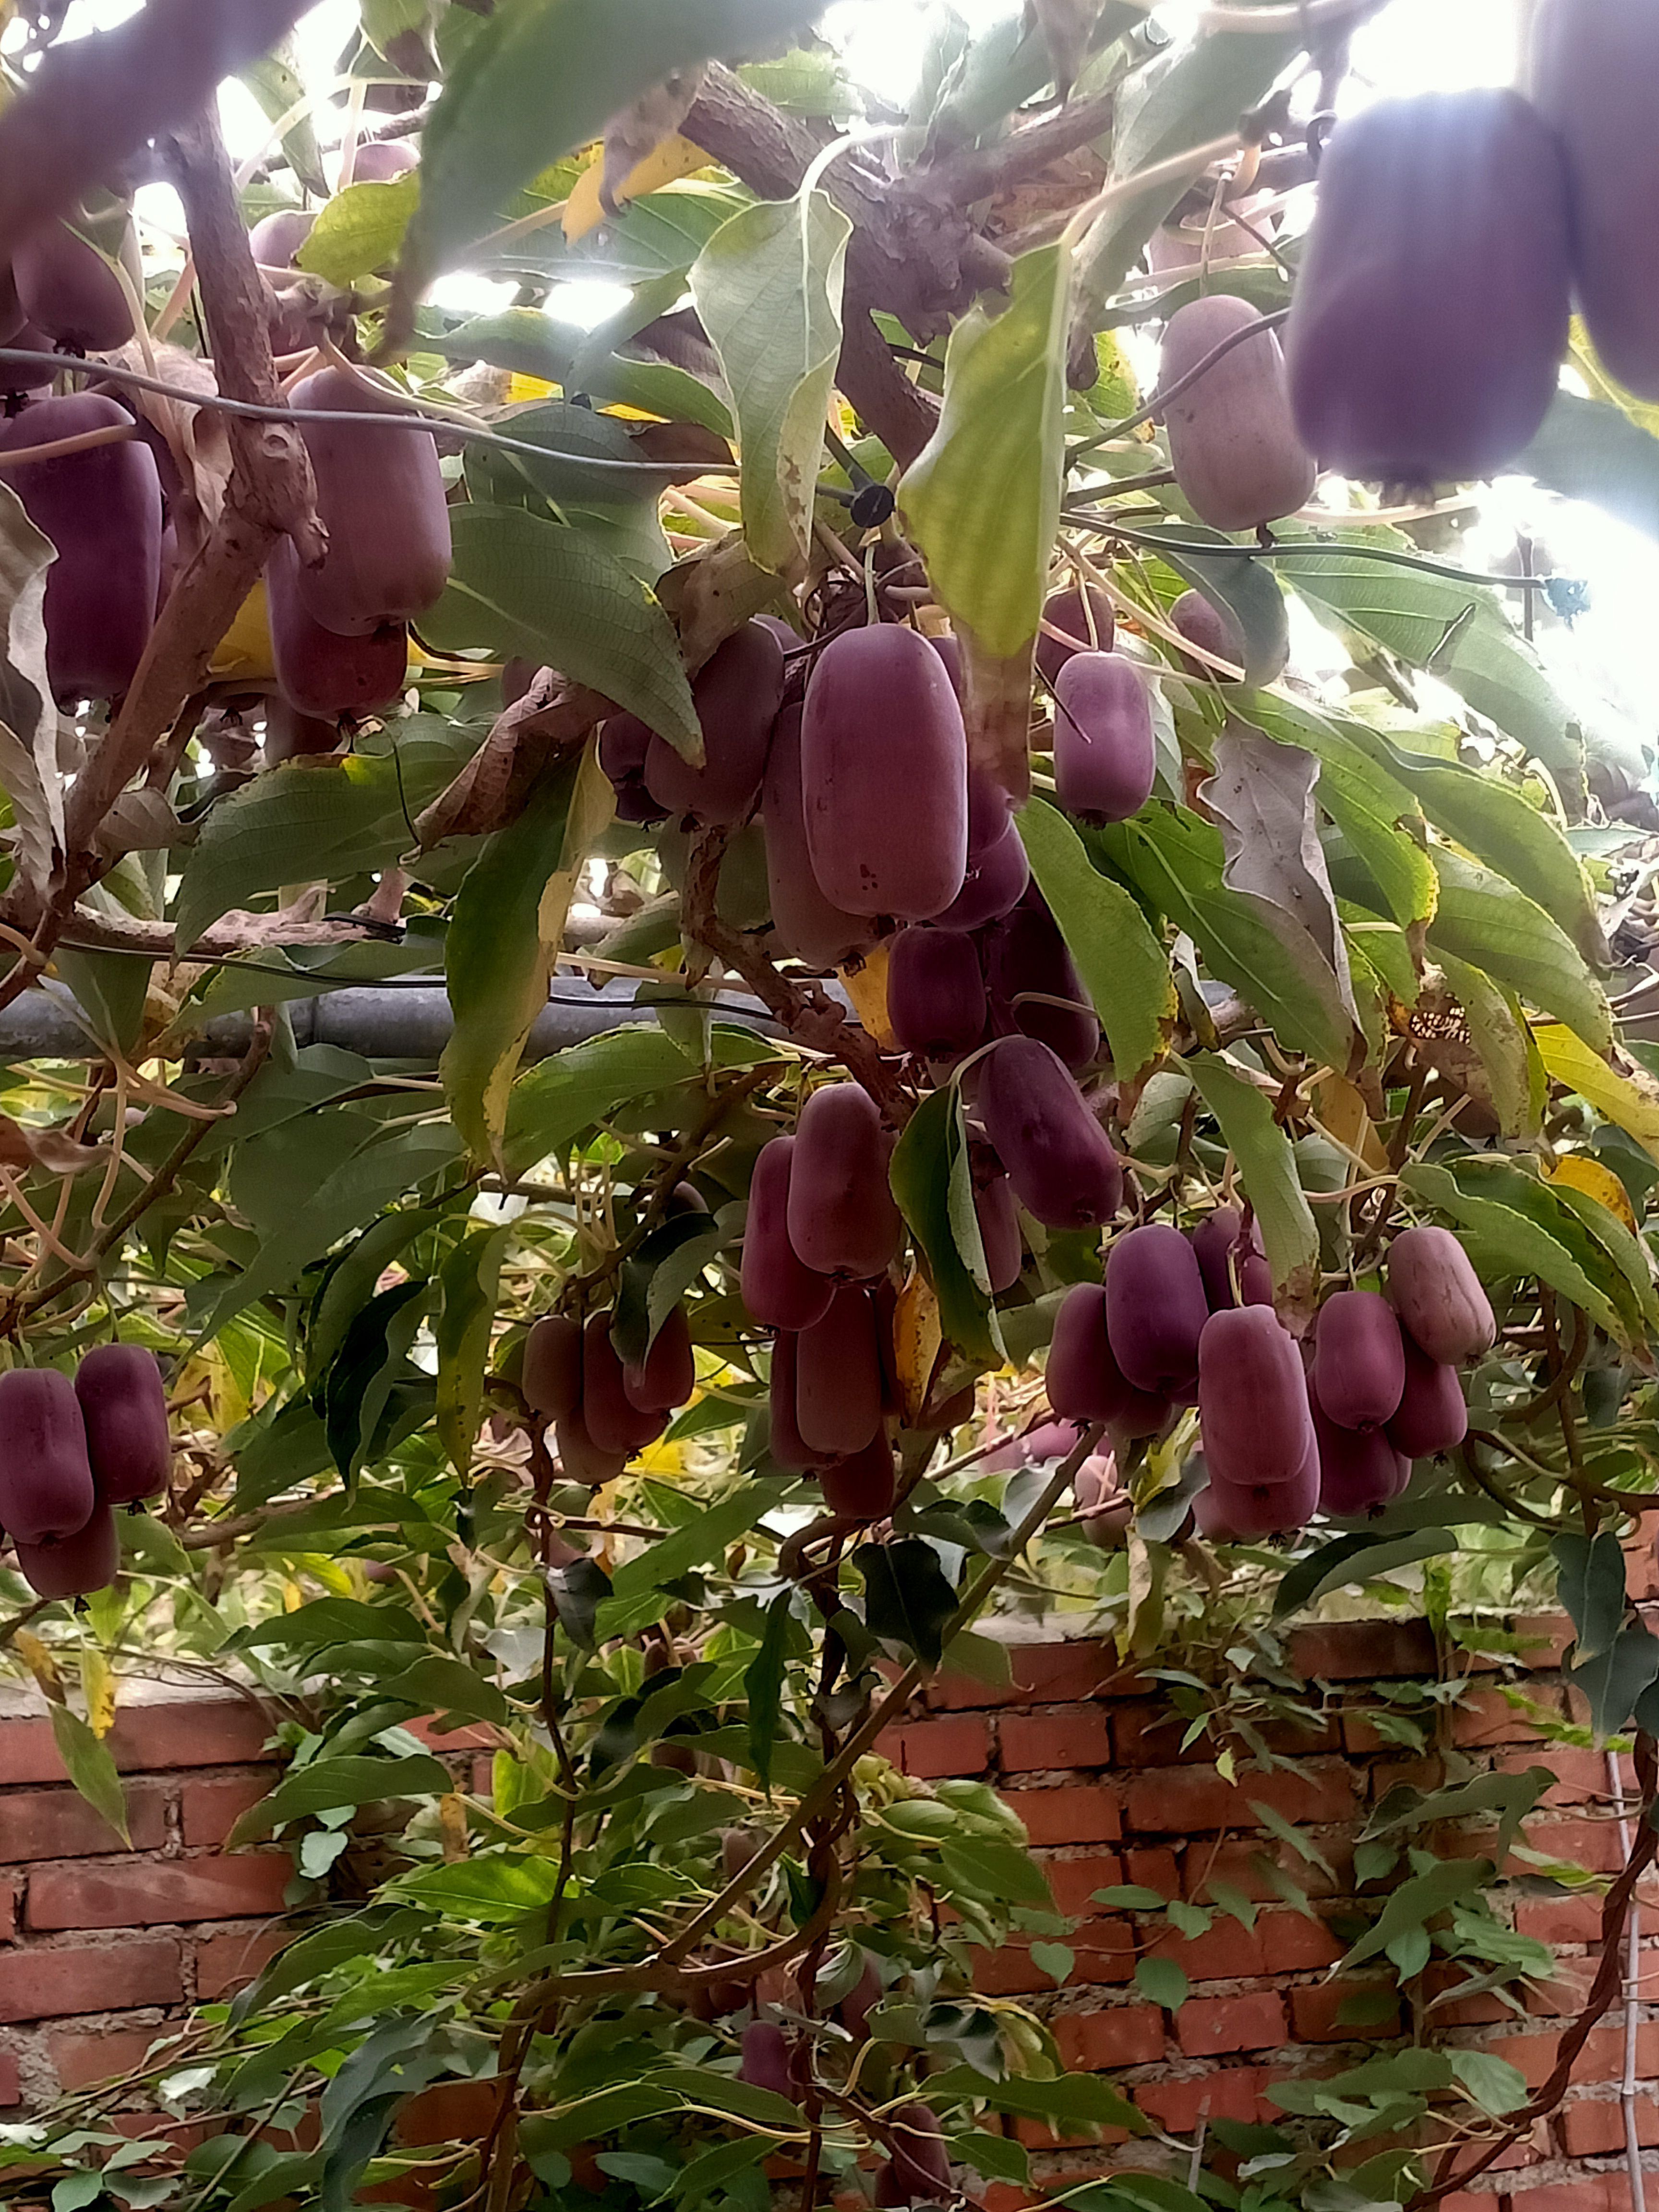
(603, 1409)
(339, 633)
(1189, 1319)
(870, 812)
(71, 1452)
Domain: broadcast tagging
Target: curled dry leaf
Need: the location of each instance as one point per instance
(140, 822)
(640, 129)
(553, 716)
(51, 1149)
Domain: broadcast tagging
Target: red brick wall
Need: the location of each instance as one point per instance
(101, 1949)
(1090, 1755)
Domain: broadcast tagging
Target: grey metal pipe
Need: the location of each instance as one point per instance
(407, 1021)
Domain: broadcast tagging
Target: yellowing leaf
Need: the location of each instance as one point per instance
(530, 387)
(98, 1687)
(917, 1337)
(1342, 1112)
(1579, 1172)
(1631, 1101)
(673, 157)
(660, 1458)
(866, 986)
(39, 1660)
(245, 648)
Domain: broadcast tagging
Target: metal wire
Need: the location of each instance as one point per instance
(74, 364)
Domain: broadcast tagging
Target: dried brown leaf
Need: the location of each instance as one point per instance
(52, 1149)
(638, 131)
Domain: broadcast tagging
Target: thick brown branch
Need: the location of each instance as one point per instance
(270, 491)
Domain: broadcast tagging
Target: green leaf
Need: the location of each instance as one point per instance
(504, 935)
(1518, 1227)
(542, 77)
(1590, 1584)
(328, 1620)
(933, 1187)
(90, 1764)
(529, 344)
(1500, 1036)
(438, 1684)
(1613, 1682)
(1066, 2101)
(521, 585)
(981, 501)
(1493, 2084)
(576, 440)
(1590, 451)
(28, 723)
(277, 86)
(1379, 1556)
(907, 1600)
(469, 1286)
(637, 1582)
(768, 288)
(1162, 1981)
(360, 230)
(1124, 967)
(1499, 825)
(1460, 631)
(1510, 1795)
(1418, 1901)
(1055, 1959)
(344, 1201)
(1266, 1166)
(1174, 859)
(1483, 918)
(762, 1684)
(308, 821)
(495, 1890)
(554, 1102)
(357, 1386)
(326, 1784)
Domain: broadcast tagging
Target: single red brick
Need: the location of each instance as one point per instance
(1226, 1952)
(961, 1693)
(1363, 1650)
(1054, 1674)
(1581, 1776)
(211, 1808)
(193, 1732)
(1254, 2021)
(158, 1890)
(1587, 2194)
(1031, 1742)
(1426, 1773)
(1593, 2127)
(60, 1824)
(1543, 1638)
(11, 2088)
(1557, 1920)
(1153, 1865)
(1619, 2191)
(1533, 2056)
(1010, 1972)
(1471, 2200)
(930, 1749)
(1105, 1951)
(484, 1776)
(1085, 1812)
(1150, 1733)
(1074, 1881)
(471, 1735)
(1314, 2011)
(49, 1984)
(1565, 1994)
(1485, 1715)
(82, 2057)
(1038, 2137)
(1641, 1564)
(1115, 2035)
(1291, 1944)
(1187, 1800)
(1592, 1845)
(1225, 2093)
(228, 1962)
